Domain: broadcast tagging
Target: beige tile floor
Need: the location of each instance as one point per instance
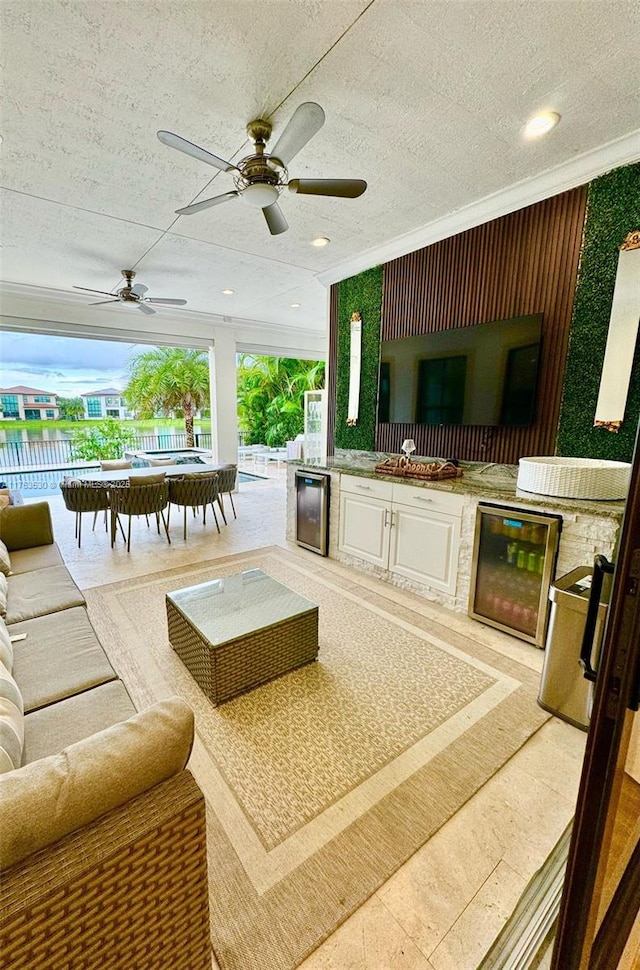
(445, 906)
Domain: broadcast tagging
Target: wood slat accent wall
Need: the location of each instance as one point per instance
(521, 264)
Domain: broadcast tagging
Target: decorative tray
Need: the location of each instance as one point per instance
(434, 471)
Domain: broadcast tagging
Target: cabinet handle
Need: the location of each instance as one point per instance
(386, 518)
(366, 487)
(421, 498)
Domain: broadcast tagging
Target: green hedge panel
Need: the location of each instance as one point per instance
(613, 210)
(362, 294)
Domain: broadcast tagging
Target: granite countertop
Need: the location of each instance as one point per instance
(480, 479)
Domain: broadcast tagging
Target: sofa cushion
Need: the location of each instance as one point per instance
(60, 656)
(46, 800)
(50, 729)
(24, 526)
(26, 560)
(11, 722)
(6, 647)
(3, 595)
(5, 559)
(41, 592)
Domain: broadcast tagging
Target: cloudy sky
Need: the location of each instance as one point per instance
(67, 366)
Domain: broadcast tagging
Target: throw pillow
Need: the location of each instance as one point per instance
(11, 722)
(6, 647)
(115, 465)
(5, 559)
(4, 501)
(161, 461)
(3, 595)
(146, 479)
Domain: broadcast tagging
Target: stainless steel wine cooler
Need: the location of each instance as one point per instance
(312, 511)
(514, 559)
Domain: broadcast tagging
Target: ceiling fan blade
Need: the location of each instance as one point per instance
(168, 302)
(342, 188)
(87, 290)
(306, 121)
(102, 302)
(145, 308)
(275, 219)
(182, 145)
(139, 289)
(189, 210)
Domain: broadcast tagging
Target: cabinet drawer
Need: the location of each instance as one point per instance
(428, 499)
(366, 486)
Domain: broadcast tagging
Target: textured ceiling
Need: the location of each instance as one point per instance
(425, 99)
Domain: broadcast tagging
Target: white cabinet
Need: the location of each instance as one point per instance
(412, 531)
(365, 517)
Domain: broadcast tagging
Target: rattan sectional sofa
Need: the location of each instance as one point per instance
(102, 830)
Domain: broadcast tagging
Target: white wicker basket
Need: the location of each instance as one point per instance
(587, 478)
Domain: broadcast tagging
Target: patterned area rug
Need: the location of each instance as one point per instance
(323, 782)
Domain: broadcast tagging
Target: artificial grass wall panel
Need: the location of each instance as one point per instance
(613, 210)
(361, 294)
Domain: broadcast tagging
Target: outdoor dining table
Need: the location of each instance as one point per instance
(124, 474)
(113, 476)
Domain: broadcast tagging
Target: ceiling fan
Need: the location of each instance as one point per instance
(260, 177)
(131, 294)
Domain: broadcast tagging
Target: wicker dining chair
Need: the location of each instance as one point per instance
(226, 483)
(82, 497)
(139, 499)
(194, 491)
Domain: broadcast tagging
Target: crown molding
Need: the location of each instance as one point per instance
(562, 178)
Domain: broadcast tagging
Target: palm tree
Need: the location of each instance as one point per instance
(169, 378)
(271, 396)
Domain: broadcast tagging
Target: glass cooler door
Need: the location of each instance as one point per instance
(514, 559)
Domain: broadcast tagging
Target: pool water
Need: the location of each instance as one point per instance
(40, 484)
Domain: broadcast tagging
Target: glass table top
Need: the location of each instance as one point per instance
(224, 609)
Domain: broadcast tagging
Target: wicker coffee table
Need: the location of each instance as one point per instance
(235, 633)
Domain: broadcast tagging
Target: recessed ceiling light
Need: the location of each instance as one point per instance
(320, 241)
(541, 124)
(294, 305)
(228, 292)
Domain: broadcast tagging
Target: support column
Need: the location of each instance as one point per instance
(224, 396)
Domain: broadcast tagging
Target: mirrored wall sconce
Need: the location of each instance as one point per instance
(621, 338)
(355, 363)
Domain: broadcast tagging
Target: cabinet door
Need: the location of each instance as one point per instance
(364, 528)
(424, 547)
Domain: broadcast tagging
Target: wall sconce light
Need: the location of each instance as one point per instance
(408, 446)
(355, 363)
(621, 338)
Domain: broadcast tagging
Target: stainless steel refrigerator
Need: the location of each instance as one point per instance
(312, 511)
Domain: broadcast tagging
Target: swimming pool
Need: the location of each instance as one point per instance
(41, 484)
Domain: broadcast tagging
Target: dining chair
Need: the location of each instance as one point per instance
(82, 497)
(195, 490)
(139, 498)
(227, 475)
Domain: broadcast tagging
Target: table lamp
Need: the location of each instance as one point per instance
(408, 446)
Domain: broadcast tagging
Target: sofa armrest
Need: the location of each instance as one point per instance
(26, 526)
(47, 799)
(129, 889)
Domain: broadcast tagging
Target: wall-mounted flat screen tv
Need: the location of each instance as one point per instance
(485, 374)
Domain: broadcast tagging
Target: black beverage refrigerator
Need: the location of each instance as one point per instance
(514, 561)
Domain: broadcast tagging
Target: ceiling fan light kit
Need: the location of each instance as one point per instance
(260, 177)
(132, 294)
